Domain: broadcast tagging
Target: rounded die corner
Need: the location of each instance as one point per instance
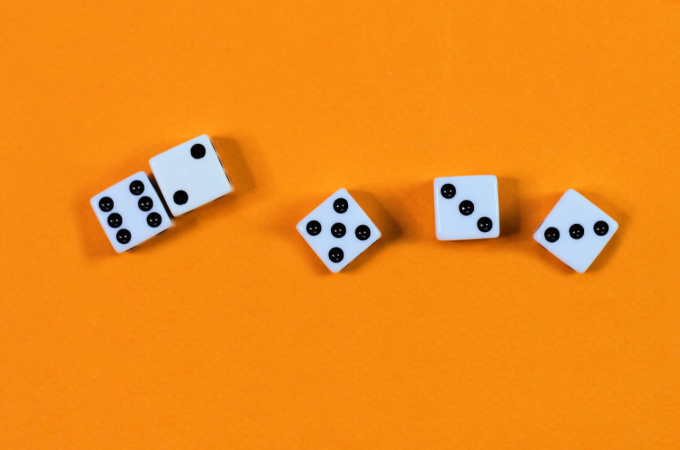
(575, 194)
(616, 227)
(120, 251)
(152, 162)
(334, 269)
(441, 236)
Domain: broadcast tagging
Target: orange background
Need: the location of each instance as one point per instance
(227, 332)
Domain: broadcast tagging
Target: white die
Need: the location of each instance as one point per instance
(466, 207)
(130, 212)
(190, 175)
(338, 230)
(576, 231)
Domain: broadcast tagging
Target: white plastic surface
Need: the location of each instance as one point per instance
(571, 209)
(324, 242)
(202, 179)
(450, 223)
(126, 204)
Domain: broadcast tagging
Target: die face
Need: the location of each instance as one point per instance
(338, 230)
(576, 231)
(190, 175)
(130, 212)
(466, 207)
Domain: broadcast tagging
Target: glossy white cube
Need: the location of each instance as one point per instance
(190, 175)
(455, 219)
(322, 232)
(130, 212)
(574, 216)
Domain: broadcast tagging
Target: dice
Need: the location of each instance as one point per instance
(466, 207)
(338, 230)
(576, 231)
(130, 212)
(190, 175)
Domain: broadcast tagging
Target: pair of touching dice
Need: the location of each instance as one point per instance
(575, 231)
(188, 176)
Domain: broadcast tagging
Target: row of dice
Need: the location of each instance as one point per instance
(191, 175)
(188, 176)
(575, 231)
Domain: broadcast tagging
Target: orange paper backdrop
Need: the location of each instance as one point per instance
(227, 332)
